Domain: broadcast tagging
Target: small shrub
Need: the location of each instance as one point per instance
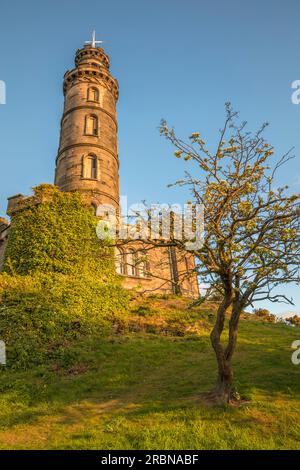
(295, 320)
(143, 311)
(265, 315)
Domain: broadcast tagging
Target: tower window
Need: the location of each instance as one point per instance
(90, 167)
(91, 125)
(93, 94)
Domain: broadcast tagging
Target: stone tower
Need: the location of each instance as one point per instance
(87, 159)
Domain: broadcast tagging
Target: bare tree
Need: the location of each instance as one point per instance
(251, 241)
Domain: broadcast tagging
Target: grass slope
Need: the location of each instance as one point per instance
(140, 390)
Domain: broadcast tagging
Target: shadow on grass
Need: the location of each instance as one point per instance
(147, 375)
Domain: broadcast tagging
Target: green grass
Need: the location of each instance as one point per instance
(141, 391)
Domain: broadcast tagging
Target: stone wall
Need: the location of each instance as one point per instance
(160, 278)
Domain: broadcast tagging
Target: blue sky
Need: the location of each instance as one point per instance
(180, 60)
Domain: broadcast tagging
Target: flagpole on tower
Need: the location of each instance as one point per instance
(93, 42)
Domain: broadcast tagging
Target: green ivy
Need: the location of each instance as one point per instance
(59, 280)
(55, 232)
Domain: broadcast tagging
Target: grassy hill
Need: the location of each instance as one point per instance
(140, 388)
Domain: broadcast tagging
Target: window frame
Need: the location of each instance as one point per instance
(120, 256)
(95, 167)
(92, 89)
(95, 132)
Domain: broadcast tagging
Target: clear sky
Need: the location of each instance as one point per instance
(176, 59)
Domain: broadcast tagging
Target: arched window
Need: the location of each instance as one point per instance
(91, 125)
(93, 94)
(142, 264)
(120, 261)
(131, 262)
(144, 268)
(90, 169)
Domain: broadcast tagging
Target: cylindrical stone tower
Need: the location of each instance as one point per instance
(87, 159)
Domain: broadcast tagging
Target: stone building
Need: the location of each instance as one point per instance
(87, 161)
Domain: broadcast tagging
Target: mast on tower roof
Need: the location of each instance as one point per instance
(93, 42)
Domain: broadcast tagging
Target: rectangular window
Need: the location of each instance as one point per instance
(91, 125)
(90, 167)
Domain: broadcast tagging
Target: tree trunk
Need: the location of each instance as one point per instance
(224, 387)
(223, 390)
